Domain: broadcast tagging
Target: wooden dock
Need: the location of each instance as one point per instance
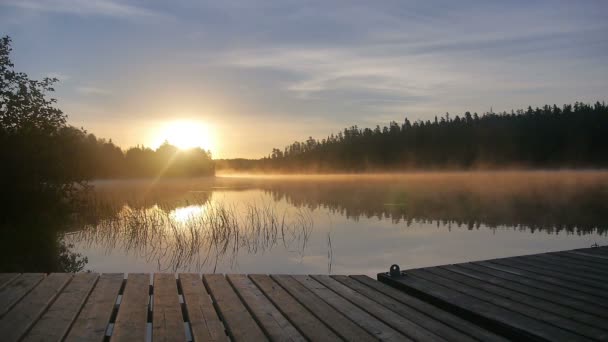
(553, 296)
(560, 296)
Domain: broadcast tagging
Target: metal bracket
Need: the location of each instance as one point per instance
(395, 271)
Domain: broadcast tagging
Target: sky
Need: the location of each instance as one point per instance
(261, 74)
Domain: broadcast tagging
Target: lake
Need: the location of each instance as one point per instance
(342, 224)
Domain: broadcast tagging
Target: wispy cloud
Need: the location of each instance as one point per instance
(84, 7)
(58, 75)
(90, 90)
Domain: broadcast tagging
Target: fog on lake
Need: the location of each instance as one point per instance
(355, 224)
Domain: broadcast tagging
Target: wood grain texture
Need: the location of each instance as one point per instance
(372, 325)
(12, 292)
(306, 322)
(276, 326)
(133, 310)
(6, 278)
(16, 322)
(57, 320)
(167, 319)
(239, 322)
(92, 322)
(204, 321)
(401, 299)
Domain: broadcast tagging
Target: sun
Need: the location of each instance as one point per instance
(186, 134)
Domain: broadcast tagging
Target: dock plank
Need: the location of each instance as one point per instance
(57, 320)
(564, 269)
(133, 310)
(204, 321)
(308, 324)
(488, 293)
(542, 291)
(539, 282)
(92, 322)
(406, 323)
(594, 250)
(374, 326)
(167, 319)
(18, 321)
(12, 292)
(592, 259)
(573, 320)
(592, 285)
(573, 286)
(240, 324)
(559, 261)
(497, 318)
(276, 326)
(6, 278)
(335, 319)
(400, 298)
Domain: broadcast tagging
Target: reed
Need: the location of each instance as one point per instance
(216, 232)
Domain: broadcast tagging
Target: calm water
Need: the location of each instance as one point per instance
(338, 224)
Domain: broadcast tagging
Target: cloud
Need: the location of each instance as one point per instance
(83, 7)
(90, 90)
(58, 75)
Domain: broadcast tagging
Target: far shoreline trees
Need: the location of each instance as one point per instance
(102, 159)
(571, 136)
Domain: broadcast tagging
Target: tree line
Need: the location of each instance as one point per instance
(544, 137)
(98, 158)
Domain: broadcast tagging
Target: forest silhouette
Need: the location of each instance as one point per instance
(571, 136)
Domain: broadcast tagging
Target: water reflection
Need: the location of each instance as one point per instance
(314, 224)
(196, 237)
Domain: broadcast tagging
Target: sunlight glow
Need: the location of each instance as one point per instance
(189, 213)
(186, 134)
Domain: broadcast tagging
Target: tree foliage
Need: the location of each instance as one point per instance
(551, 136)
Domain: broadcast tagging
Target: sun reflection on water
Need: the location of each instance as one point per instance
(188, 213)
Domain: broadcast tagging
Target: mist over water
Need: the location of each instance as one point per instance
(338, 223)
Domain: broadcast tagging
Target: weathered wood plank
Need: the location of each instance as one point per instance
(204, 322)
(57, 320)
(429, 323)
(603, 250)
(92, 322)
(570, 328)
(19, 320)
(564, 317)
(535, 280)
(363, 319)
(338, 321)
(12, 292)
(587, 291)
(276, 326)
(600, 250)
(303, 320)
(406, 324)
(541, 292)
(400, 298)
(595, 287)
(6, 278)
(167, 319)
(563, 269)
(596, 263)
(570, 263)
(600, 263)
(591, 255)
(240, 324)
(510, 323)
(133, 310)
(579, 292)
